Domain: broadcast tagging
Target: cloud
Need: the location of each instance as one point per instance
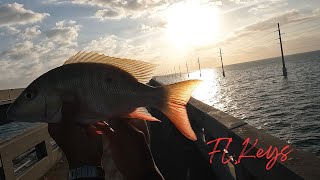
(21, 61)
(217, 3)
(241, 1)
(28, 59)
(9, 30)
(25, 61)
(146, 29)
(64, 33)
(125, 4)
(16, 14)
(30, 32)
(19, 51)
(114, 46)
(115, 9)
(316, 11)
(267, 6)
(109, 14)
(153, 27)
(288, 17)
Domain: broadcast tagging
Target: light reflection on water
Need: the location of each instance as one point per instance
(257, 93)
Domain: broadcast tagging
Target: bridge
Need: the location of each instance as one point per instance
(32, 153)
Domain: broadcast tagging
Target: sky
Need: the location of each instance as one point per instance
(38, 35)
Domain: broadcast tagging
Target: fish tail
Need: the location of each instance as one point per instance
(174, 106)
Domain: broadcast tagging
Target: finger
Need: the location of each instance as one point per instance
(123, 124)
(124, 128)
(92, 131)
(104, 128)
(54, 129)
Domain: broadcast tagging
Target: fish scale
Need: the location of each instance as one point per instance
(104, 87)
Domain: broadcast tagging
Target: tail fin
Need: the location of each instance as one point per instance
(174, 107)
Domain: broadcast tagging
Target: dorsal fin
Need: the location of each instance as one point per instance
(142, 71)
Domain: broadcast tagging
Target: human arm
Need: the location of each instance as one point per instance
(81, 145)
(130, 150)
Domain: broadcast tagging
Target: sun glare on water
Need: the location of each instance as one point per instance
(191, 24)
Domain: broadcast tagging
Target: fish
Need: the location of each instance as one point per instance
(105, 88)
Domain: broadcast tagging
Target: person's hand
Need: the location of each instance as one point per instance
(130, 150)
(80, 143)
(79, 147)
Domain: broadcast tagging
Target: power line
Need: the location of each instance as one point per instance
(315, 25)
(251, 46)
(252, 41)
(312, 40)
(315, 36)
(296, 23)
(254, 34)
(294, 34)
(244, 48)
(268, 33)
(301, 47)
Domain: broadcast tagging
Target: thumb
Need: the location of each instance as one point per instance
(105, 128)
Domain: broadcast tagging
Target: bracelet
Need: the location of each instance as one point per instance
(86, 172)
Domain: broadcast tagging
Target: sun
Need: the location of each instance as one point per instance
(191, 23)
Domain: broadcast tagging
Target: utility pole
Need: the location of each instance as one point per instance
(222, 63)
(284, 69)
(175, 73)
(187, 68)
(9, 94)
(199, 66)
(180, 71)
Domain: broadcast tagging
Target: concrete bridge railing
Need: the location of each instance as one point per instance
(208, 123)
(212, 123)
(9, 95)
(29, 155)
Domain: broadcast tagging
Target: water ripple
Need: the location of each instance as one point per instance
(257, 93)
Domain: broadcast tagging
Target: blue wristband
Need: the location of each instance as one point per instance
(86, 172)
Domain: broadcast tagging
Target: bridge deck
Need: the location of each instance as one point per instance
(58, 172)
(175, 156)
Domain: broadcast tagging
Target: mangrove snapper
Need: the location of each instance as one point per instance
(105, 88)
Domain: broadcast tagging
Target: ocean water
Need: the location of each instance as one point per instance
(256, 92)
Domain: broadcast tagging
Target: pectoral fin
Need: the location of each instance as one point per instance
(90, 118)
(143, 114)
(56, 118)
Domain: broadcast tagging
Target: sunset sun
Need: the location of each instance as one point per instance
(191, 24)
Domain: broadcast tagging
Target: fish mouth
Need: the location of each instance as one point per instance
(56, 117)
(10, 116)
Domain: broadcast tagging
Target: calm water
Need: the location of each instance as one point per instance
(257, 93)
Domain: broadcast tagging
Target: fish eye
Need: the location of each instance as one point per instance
(28, 95)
